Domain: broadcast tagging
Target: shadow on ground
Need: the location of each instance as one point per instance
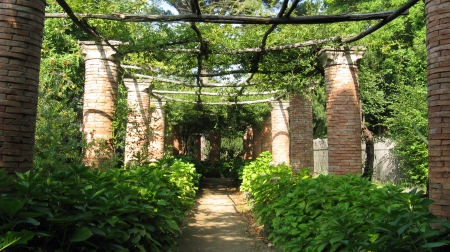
(216, 224)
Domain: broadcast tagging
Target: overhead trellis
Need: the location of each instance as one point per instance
(228, 78)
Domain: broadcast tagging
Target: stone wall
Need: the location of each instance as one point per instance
(385, 165)
(21, 29)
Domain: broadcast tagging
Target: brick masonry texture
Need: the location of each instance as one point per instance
(438, 61)
(100, 93)
(280, 132)
(197, 147)
(137, 134)
(174, 141)
(257, 143)
(248, 144)
(343, 111)
(21, 27)
(265, 135)
(214, 147)
(157, 128)
(301, 131)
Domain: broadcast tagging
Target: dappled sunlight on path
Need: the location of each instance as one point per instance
(216, 224)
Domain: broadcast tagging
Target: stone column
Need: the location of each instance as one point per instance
(280, 132)
(343, 108)
(21, 27)
(438, 61)
(248, 144)
(138, 133)
(157, 126)
(214, 146)
(301, 127)
(100, 92)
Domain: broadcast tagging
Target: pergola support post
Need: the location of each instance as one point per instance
(438, 61)
(157, 126)
(138, 133)
(100, 93)
(280, 132)
(301, 131)
(214, 147)
(343, 108)
(21, 29)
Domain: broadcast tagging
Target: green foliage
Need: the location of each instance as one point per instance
(412, 152)
(58, 138)
(225, 168)
(345, 213)
(77, 208)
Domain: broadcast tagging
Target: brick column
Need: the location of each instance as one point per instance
(198, 147)
(157, 126)
(138, 133)
(21, 26)
(100, 92)
(301, 127)
(343, 108)
(176, 140)
(248, 144)
(280, 132)
(214, 146)
(257, 139)
(266, 135)
(438, 61)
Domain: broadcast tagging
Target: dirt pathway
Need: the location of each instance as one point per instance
(216, 224)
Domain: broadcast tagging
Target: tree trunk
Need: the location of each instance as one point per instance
(370, 153)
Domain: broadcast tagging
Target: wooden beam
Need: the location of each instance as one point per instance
(316, 19)
(214, 94)
(163, 97)
(186, 84)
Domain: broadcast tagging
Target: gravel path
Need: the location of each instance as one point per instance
(216, 224)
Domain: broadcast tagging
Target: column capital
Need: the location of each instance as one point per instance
(98, 50)
(341, 55)
(134, 85)
(282, 105)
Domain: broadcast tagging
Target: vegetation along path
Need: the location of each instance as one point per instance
(217, 223)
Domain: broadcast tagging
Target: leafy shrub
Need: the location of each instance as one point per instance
(75, 209)
(345, 213)
(220, 169)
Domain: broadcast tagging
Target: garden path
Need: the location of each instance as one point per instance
(217, 223)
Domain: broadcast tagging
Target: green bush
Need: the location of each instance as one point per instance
(345, 213)
(77, 208)
(220, 169)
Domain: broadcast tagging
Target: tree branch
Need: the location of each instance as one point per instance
(382, 23)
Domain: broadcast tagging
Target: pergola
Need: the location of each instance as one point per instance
(19, 91)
